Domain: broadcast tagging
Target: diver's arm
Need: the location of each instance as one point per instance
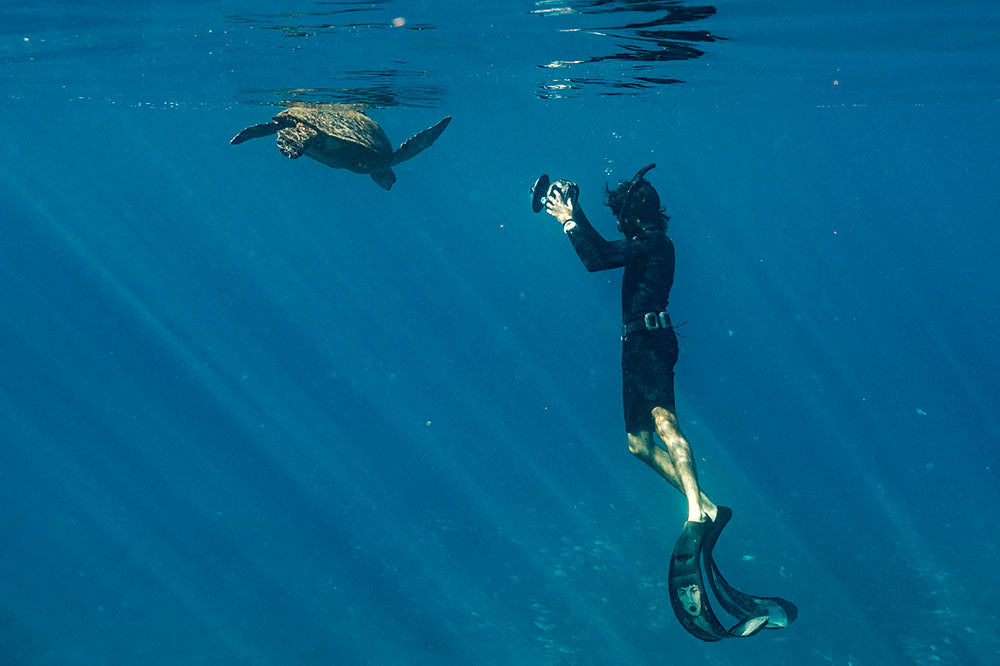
(596, 252)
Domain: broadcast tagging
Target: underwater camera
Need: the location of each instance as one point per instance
(540, 191)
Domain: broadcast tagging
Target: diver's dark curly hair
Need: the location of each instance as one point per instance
(643, 202)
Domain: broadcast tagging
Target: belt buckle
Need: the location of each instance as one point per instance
(651, 320)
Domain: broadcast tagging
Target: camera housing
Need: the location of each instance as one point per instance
(538, 193)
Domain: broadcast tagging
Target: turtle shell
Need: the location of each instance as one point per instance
(337, 135)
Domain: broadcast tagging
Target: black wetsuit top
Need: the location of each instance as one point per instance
(648, 356)
(648, 259)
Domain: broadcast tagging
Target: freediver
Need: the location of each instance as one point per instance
(649, 343)
(649, 354)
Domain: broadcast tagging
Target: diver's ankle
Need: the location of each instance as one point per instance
(705, 512)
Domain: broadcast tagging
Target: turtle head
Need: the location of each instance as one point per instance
(636, 204)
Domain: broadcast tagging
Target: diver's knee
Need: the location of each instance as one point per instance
(664, 418)
(640, 447)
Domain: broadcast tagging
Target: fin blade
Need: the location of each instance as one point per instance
(749, 627)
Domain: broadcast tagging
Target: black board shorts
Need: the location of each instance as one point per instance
(648, 359)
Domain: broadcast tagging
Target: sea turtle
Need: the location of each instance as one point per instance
(341, 136)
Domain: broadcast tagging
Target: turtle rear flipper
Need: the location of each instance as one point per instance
(255, 132)
(417, 143)
(385, 178)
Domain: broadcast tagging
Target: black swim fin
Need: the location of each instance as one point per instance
(689, 597)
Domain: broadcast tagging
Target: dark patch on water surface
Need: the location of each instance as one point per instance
(631, 51)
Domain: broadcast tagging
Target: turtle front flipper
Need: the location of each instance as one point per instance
(417, 143)
(255, 132)
(385, 178)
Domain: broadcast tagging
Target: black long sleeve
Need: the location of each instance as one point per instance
(648, 259)
(596, 252)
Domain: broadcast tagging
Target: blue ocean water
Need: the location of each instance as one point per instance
(258, 411)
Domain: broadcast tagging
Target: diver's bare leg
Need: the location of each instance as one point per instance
(642, 446)
(679, 450)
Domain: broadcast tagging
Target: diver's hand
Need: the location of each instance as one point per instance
(561, 201)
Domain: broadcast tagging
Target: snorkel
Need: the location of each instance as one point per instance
(638, 177)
